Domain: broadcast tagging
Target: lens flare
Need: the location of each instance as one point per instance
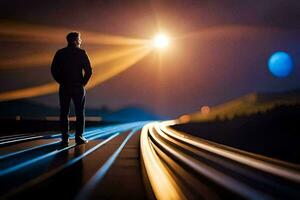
(160, 41)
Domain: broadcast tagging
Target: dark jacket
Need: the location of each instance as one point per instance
(68, 65)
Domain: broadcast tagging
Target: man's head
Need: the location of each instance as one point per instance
(73, 38)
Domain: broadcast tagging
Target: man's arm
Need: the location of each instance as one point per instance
(55, 70)
(87, 69)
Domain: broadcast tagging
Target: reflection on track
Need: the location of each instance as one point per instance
(89, 187)
(25, 168)
(176, 166)
(180, 166)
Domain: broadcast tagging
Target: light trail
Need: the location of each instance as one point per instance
(20, 140)
(162, 183)
(111, 131)
(234, 173)
(217, 176)
(29, 92)
(40, 33)
(90, 134)
(106, 63)
(107, 71)
(60, 168)
(259, 164)
(97, 134)
(5, 156)
(115, 67)
(87, 190)
(71, 162)
(12, 136)
(43, 60)
(16, 137)
(28, 61)
(104, 56)
(32, 161)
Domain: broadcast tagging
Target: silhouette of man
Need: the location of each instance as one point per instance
(67, 69)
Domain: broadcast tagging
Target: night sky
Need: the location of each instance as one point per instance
(220, 52)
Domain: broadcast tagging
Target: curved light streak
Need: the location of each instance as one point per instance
(259, 164)
(162, 183)
(219, 177)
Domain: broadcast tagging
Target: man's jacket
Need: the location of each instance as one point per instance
(68, 65)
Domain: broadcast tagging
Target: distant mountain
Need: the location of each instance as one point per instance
(32, 110)
(246, 105)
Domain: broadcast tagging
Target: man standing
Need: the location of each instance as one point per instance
(67, 69)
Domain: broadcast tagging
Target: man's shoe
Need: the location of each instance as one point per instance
(65, 139)
(80, 140)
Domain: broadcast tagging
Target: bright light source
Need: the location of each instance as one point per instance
(160, 41)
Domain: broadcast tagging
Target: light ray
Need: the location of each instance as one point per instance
(105, 72)
(29, 92)
(116, 67)
(44, 59)
(32, 61)
(39, 33)
(101, 57)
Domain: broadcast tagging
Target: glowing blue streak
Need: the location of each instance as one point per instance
(72, 136)
(71, 162)
(88, 188)
(23, 139)
(87, 134)
(37, 147)
(27, 163)
(39, 158)
(31, 149)
(16, 137)
(27, 150)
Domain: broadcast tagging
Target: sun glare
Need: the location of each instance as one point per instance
(160, 41)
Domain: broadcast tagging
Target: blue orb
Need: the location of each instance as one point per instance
(280, 64)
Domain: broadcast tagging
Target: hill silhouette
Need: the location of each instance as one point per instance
(262, 123)
(247, 105)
